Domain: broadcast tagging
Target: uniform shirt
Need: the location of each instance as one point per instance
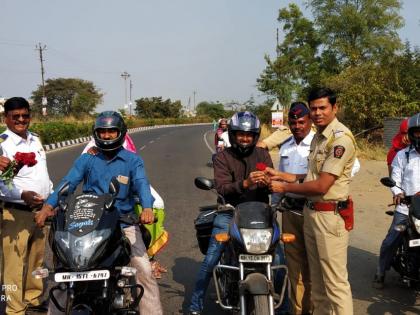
(34, 178)
(294, 158)
(332, 151)
(96, 173)
(277, 137)
(406, 175)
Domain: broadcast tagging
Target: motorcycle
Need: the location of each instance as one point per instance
(406, 260)
(244, 275)
(91, 255)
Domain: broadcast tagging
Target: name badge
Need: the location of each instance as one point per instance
(122, 179)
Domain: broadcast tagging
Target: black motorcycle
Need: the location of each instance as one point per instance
(244, 277)
(406, 260)
(91, 255)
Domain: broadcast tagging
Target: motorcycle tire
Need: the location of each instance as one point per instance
(259, 305)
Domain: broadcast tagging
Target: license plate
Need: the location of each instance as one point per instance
(414, 243)
(255, 258)
(81, 276)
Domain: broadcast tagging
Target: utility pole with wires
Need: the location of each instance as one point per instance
(125, 75)
(41, 48)
(131, 103)
(194, 93)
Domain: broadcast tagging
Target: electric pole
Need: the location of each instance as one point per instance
(125, 76)
(44, 99)
(131, 88)
(194, 98)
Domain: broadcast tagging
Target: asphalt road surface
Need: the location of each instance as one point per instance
(175, 156)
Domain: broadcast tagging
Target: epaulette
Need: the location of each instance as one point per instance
(3, 137)
(34, 134)
(287, 140)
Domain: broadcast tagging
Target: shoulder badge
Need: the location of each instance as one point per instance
(34, 134)
(3, 137)
(339, 151)
(338, 133)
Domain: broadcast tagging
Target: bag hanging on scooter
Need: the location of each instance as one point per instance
(347, 214)
(204, 226)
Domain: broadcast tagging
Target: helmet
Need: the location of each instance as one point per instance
(108, 120)
(414, 125)
(243, 121)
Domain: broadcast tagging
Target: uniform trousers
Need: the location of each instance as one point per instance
(23, 252)
(297, 264)
(326, 241)
(150, 302)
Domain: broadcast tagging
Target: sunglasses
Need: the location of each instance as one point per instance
(18, 116)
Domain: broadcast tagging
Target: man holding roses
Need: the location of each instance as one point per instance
(239, 177)
(24, 183)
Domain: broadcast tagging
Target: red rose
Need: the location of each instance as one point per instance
(261, 166)
(28, 159)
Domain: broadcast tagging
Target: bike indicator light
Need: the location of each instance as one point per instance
(40, 273)
(128, 271)
(288, 237)
(222, 237)
(400, 228)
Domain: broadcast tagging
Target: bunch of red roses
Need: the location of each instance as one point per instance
(21, 159)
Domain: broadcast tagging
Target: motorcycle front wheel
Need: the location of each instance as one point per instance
(259, 305)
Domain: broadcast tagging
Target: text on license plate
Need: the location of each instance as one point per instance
(255, 258)
(414, 243)
(81, 276)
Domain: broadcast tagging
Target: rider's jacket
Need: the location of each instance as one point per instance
(231, 170)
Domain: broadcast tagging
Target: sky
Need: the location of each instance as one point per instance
(170, 48)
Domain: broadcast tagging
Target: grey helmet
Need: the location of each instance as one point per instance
(244, 121)
(414, 125)
(108, 120)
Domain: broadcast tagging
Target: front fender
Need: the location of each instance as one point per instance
(256, 284)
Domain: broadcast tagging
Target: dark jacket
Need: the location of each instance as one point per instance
(230, 171)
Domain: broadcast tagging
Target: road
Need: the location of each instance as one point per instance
(175, 156)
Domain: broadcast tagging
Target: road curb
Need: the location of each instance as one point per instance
(67, 143)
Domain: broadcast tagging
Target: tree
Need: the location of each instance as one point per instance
(67, 96)
(356, 31)
(213, 110)
(156, 107)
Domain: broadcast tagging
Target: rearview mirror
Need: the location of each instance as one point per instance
(114, 187)
(204, 183)
(388, 182)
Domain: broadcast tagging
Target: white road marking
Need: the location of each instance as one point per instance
(151, 141)
(142, 147)
(207, 144)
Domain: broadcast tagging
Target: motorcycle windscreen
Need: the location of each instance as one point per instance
(81, 252)
(253, 215)
(415, 207)
(84, 212)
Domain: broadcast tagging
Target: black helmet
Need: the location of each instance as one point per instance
(414, 125)
(108, 120)
(244, 121)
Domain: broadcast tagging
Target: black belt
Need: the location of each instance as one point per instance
(17, 206)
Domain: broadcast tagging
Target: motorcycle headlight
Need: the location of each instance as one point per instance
(416, 223)
(257, 241)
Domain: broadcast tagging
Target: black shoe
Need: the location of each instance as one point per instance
(43, 307)
(378, 282)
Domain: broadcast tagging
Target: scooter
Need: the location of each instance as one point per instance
(91, 256)
(244, 277)
(406, 260)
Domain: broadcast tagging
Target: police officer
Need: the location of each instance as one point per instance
(23, 242)
(328, 213)
(293, 157)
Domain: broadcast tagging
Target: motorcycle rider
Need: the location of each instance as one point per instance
(405, 172)
(128, 168)
(237, 180)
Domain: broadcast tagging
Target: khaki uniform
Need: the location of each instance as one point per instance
(277, 137)
(332, 151)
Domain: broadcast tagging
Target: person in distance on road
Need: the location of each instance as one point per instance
(128, 168)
